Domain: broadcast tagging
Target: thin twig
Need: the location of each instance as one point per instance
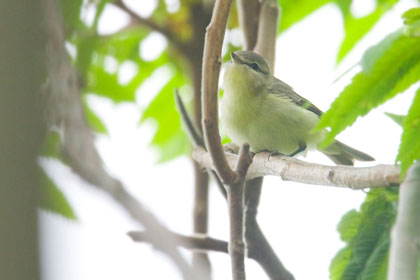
(203, 243)
(196, 138)
(291, 169)
(149, 23)
(196, 243)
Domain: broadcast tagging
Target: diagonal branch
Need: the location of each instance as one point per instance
(149, 23)
(291, 169)
(197, 242)
(196, 138)
(65, 111)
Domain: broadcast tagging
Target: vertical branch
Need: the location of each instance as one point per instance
(22, 72)
(210, 86)
(235, 203)
(248, 13)
(258, 247)
(200, 260)
(234, 180)
(405, 243)
(267, 31)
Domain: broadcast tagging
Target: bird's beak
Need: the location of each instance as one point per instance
(235, 57)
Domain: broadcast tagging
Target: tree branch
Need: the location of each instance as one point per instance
(210, 86)
(256, 243)
(235, 200)
(405, 242)
(203, 243)
(196, 138)
(164, 30)
(197, 242)
(248, 14)
(291, 169)
(65, 111)
(267, 31)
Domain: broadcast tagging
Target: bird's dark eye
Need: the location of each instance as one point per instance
(254, 66)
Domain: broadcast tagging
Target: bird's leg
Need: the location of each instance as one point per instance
(302, 147)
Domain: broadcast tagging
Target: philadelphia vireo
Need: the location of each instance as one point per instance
(266, 113)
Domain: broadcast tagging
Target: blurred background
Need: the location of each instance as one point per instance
(129, 71)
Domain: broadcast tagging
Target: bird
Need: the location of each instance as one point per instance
(265, 112)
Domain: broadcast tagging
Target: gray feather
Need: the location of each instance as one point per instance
(286, 91)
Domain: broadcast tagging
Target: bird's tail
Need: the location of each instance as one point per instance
(342, 154)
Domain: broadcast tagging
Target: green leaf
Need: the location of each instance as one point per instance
(391, 74)
(123, 45)
(377, 264)
(375, 52)
(106, 84)
(367, 234)
(411, 16)
(292, 11)
(399, 119)
(356, 28)
(339, 263)
(169, 139)
(52, 199)
(409, 150)
(348, 225)
(94, 121)
(412, 22)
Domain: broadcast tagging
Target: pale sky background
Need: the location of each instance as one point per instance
(299, 220)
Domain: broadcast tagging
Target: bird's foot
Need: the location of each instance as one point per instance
(273, 154)
(302, 147)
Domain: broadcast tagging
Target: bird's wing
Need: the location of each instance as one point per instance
(286, 91)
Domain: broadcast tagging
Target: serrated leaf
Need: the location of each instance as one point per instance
(52, 199)
(169, 139)
(339, 263)
(94, 121)
(393, 73)
(292, 11)
(399, 119)
(409, 150)
(373, 53)
(376, 266)
(356, 28)
(348, 225)
(365, 255)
